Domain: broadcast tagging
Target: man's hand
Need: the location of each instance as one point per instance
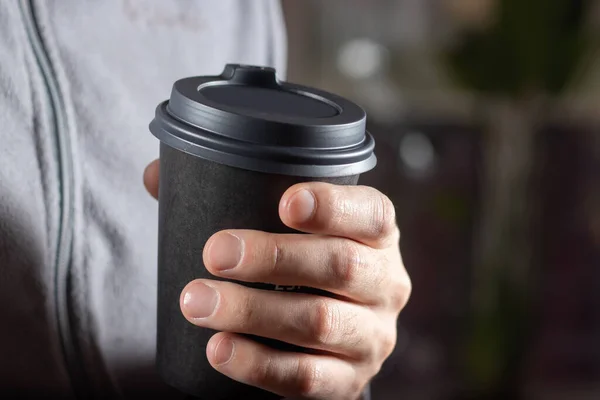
(352, 251)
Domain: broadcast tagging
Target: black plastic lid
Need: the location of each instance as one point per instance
(247, 118)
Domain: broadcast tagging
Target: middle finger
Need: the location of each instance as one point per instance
(337, 265)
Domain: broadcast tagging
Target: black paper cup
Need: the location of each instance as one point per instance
(231, 145)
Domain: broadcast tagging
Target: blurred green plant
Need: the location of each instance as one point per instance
(517, 65)
(451, 207)
(532, 47)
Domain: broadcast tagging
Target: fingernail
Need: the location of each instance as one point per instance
(225, 252)
(301, 206)
(224, 351)
(200, 300)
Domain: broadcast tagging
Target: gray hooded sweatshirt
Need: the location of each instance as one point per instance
(79, 82)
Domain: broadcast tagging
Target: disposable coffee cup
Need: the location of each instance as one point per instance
(231, 145)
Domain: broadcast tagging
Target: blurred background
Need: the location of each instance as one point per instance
(486, 115)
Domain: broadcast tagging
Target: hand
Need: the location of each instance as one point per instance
(352, 251)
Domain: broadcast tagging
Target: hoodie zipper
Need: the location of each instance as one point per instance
(63, 151)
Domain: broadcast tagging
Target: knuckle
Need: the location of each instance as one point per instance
(325, 320)
(261, 372)
(339, 208)
(246, 312)
(388, 344)
(385, 217)
(355, 333)
(400, 292)
(381, 275)
(347, 264)
(309, 378)
(275, 255)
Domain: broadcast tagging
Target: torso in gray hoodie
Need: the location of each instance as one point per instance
(79, 82)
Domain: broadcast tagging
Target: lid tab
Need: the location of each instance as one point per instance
(250, 75)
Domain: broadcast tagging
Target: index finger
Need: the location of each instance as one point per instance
(360, 213)
(151, 178)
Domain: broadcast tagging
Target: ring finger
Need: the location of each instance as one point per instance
(304, 320)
